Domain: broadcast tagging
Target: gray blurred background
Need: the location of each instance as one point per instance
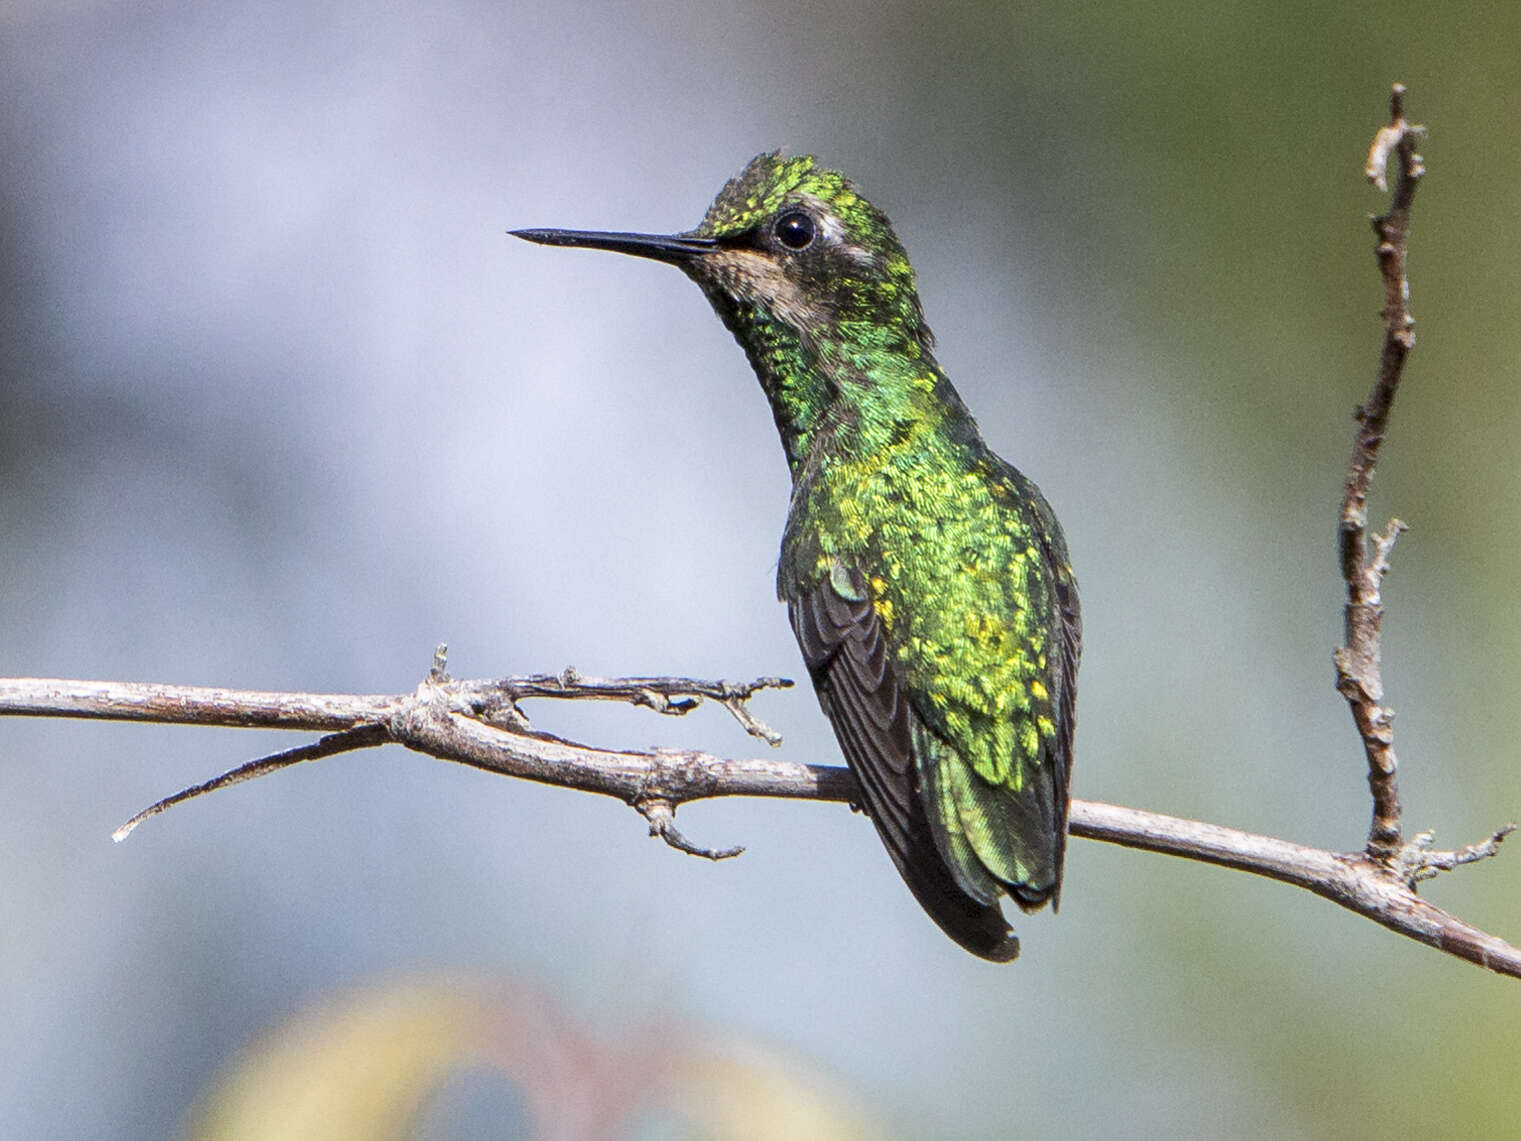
(282, 406)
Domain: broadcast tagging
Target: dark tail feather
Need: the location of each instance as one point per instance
(847, 655)
(979, 927)
(966, 911)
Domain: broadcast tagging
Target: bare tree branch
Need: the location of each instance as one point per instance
(480, 723)
(440, 719)
(1359, 675)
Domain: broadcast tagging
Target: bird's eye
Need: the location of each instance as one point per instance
(795, 230)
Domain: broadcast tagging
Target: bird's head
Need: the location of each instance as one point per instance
(788, 242)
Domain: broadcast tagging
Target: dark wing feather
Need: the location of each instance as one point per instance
(1064, 700)
(1069, 651)
(847, 655)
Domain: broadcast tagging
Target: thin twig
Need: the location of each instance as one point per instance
(662, 817)
(348, 741)
(675, 696)
(1359, 675)
(1418, 861)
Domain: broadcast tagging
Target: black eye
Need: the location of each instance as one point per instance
(795, 230)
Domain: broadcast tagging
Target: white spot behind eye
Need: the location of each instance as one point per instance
(832, 231)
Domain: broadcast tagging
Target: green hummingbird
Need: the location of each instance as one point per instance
(926, 579)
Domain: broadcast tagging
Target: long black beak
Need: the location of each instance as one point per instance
(674, 248)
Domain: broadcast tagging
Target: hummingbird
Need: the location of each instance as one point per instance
(927, 580)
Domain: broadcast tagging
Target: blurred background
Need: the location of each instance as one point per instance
(282, 406)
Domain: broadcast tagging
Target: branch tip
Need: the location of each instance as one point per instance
(438, 672)
(1383, 545)
(1417, 861)
(736, 697)
(1396, 135)
(661, 815)
(126, 829)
